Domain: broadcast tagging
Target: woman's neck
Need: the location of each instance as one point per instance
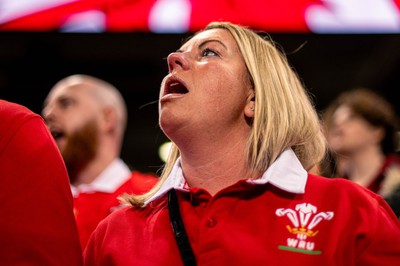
(216, 166)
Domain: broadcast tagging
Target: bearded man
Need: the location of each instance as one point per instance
(87, 118)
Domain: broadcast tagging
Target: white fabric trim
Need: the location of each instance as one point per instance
(108, 181)
(286, 173)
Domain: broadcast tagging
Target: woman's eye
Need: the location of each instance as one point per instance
(208, 52)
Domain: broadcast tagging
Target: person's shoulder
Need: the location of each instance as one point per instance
(143, 180)
(331, 181)
(339, 186)
(11, 111)
(13, 117)
(348, 195)
(133, 215)
(127, 223)
(143, 176)
(138, 183)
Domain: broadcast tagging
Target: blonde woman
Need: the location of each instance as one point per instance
(235, 190)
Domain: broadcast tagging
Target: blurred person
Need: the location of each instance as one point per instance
(87, 118)
(362, 133)
(235, 189)
(37, 225)
(393, 199)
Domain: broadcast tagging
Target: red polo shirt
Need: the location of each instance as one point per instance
(37, 225)
(287, 217)
(94, 201)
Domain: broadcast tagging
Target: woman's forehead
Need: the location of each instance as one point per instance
(221, 35)
(343, 111)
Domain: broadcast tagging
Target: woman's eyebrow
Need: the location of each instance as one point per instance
(204, 43)
(212, 40)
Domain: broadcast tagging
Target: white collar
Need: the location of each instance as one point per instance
(286, 173)
(115, 174)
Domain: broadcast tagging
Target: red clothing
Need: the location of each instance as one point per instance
(391, 161)
(332, 222)
(93, 206)
(37, 225)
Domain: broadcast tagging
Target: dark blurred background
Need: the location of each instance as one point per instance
(32, 62)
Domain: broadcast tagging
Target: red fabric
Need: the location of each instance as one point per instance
(123, 15)
(391, 160)
(272, 15)
(241, 226)
(37, 225)
(91, 208)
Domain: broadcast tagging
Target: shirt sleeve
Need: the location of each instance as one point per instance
(384, 242)
(37, 225)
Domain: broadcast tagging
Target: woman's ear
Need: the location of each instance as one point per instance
(250, 106)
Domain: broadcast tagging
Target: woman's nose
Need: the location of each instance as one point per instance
(177, 60)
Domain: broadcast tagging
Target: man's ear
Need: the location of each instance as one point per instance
(108, 119)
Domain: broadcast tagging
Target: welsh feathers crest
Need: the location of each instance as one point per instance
(304, 218)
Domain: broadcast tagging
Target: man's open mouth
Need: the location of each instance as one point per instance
(56, 133)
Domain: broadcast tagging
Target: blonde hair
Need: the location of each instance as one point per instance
(284, 116)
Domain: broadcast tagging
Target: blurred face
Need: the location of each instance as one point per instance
(207, 87)
(70, 113)
(350, 133)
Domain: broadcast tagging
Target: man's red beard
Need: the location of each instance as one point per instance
(81, 147)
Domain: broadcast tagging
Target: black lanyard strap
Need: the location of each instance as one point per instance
(179, 230)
